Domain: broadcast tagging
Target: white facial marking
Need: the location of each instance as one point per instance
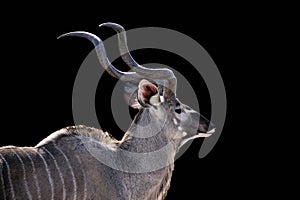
(154, 99)
(162, 98)
(179, 128)
(175, 121)
(190, 111)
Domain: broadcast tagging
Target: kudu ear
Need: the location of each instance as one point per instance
(148, 93)
(131, 95)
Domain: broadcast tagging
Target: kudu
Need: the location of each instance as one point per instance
(66, 164)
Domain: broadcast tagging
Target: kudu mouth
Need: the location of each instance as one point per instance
(206, 134)
(205, 128)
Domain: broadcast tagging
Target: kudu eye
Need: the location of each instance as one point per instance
(178, 110)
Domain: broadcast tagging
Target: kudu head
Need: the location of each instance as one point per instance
(160, 111)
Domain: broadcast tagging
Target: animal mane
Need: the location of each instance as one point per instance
(81, 131)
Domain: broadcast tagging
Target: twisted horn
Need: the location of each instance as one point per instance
(101, 54)
(164, 73)
(128, 59)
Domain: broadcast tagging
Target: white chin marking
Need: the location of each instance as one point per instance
(211, 131)
(195, 136)
(203, 134)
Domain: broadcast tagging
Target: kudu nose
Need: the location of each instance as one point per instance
(205, 126)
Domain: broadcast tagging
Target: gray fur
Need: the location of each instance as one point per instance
(94, 180)
(65, 165)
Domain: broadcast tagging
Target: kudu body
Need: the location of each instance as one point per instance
(65, 165)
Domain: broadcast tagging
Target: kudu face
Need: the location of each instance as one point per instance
(177, 121)
(189, 123)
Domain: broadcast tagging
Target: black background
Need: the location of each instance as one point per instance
(38, 72)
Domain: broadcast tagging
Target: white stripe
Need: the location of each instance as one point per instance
(162, 98)
(84, 178)
(24, 175)
(190, 111)
(34, 174)
(71, 170)
(175, 121)
(59, 172)
(48, 174)
(9, 178)
(3, 187)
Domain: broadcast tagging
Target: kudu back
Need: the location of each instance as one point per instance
(80, 162)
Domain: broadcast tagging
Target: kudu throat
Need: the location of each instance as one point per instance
(146, 134)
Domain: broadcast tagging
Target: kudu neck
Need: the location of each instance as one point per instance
(146, 134)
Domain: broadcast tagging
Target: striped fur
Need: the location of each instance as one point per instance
(71, 170)
(36, 182)
(60, 167)
(59, 172)
(24, 176)
(48, 172)
(10, 192)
